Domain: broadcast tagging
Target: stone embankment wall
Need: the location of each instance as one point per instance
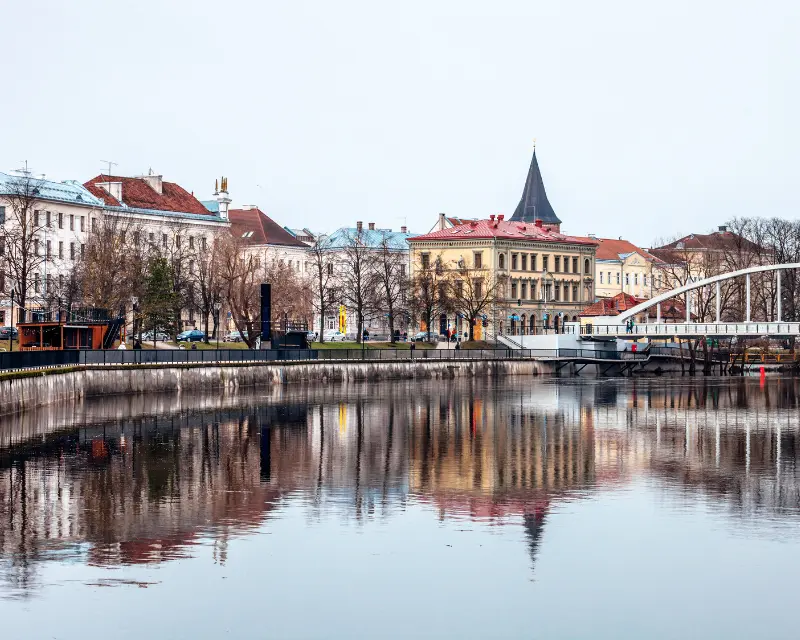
(30, 389)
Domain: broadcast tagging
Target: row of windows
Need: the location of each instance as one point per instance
(46, 282)
(49, 249)
(477, 261)
(151, 239)
(547, 292)
(656, 280)
(58, 217)
(519, 262)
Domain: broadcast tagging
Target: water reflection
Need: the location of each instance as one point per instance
(143, 480)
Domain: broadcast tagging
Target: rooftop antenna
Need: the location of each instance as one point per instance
(109, 163)
(24, 170)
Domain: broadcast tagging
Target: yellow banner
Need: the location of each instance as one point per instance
(342, 319)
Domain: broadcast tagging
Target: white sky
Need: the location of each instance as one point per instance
(650, 121)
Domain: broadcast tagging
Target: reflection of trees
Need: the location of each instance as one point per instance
(145, 488)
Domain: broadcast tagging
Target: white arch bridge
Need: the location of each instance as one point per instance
(616, 326)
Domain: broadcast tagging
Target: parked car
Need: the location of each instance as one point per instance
(311, 336)
(193, 335)
(422, 336)
(8, 332)
(233, 336)
(331, 335)
(159, 336)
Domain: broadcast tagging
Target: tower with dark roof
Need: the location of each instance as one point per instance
(534, 204)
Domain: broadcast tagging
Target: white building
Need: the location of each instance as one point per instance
(58, 217)
(341, 315)
(266, 239)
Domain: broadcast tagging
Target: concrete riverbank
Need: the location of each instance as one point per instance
(28, 389)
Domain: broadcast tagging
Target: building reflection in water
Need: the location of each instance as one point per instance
(89, 483)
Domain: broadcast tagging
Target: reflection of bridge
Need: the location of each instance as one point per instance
(774, 327)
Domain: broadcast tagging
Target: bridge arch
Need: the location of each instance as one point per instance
(715, 280)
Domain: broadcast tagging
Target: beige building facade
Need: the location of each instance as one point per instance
(541, 278)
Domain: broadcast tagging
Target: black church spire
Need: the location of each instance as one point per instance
(534, 204)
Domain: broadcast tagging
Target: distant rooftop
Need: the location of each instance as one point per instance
(67, 191)
(149, 192)
(255, 227)
(369, 236)
(505, 229)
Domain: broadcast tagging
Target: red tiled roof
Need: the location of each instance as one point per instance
(611, 306)
(501, 229)
(264, 229)
(137, 193)
(611, 249)
(717, 241)
(670, 309)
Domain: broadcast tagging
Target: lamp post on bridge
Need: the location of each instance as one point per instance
(217, 307)
(11, 331)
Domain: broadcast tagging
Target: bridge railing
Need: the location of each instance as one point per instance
(696, 328)
(55, 359)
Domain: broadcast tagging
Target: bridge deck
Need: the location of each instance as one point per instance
(696, 329)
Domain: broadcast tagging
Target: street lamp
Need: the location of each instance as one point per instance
(217, 307)
(11, 332)
(134, 304)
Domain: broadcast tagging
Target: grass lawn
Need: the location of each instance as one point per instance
(371, 345)
(4, 345)
(211, 345)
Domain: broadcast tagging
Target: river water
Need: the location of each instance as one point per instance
(518, 507)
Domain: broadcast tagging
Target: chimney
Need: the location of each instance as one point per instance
(538, 223)
(491, 217)
(404, 229)
(359, 226)
(114, 189)
(371, 226)
(723, 228)
(223, 198)
(442, 222)
(500, 217)
(156, 183)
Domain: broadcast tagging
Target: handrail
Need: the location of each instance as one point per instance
(11, 361)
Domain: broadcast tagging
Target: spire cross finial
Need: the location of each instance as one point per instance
(534, 144)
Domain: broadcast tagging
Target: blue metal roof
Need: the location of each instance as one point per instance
(166, 214)
(211, 205)
(373, 239)
(69, 191)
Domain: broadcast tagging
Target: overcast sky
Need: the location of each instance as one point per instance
(649, 122)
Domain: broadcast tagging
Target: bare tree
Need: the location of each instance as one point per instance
(291, 297)
(681, 265)
(177, 247)
(356, 278)
(474, 292)
(241, 273)
(321, 265)
(391, 281)
(239, 279)
(207, 285)
(108, 280)
(23, 230)
(430, 295)
(66, 291)
(782, 238)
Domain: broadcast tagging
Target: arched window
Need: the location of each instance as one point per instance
(586, 266)
(502, 261)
